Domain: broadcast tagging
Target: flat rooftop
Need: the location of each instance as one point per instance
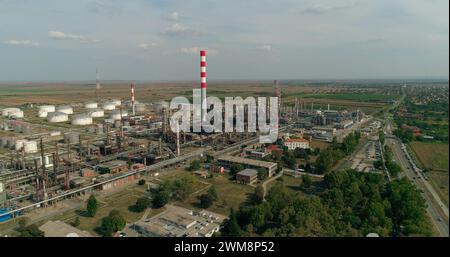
(248, 172)
(60, 229)
(241, 160)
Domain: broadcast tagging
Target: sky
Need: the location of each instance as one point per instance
(49, 40)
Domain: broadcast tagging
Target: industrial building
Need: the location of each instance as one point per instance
(227, 161)
(180, 222)
(247, 176)
(60, 229)
(294, 143)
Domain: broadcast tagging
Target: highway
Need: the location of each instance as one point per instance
(435, 207)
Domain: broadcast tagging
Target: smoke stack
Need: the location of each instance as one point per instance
(132, 99)
(203, 82)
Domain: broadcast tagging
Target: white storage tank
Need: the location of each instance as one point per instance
(47, 108)
(19, 144)
(67, 109)
(115, 115)
(42, 113)
(6, 111)
(116, 102)
(81, 119)
(71, 137)
(16, 114)
(160, 105)
(91, 105)
(96, 113)
(57, 117)
(109, 106)
(140, 107)
(110, 121)
(30, 147)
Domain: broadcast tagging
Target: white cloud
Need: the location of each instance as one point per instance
(174, 16)
(196, 50)
(177, 29)
(64, 36)
(147, 45)
(265, 47)
(25, 42)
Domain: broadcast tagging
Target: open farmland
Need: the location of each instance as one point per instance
(434, 157)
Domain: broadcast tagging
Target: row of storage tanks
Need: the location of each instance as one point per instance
(15, 113)
(28, 146)
(61, 113)
(31, 146)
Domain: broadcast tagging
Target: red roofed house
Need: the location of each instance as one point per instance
(272, 148)
(294, 143)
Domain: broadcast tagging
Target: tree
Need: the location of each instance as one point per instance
(259, 194)
(231, 227)
(235, 168)
(141, 204)
(212, 191)
(262, 173)
(141, 182)
(31, 231)
(92, 206)
(195, 165)
(306, 182)
(206, 200)
(112, 223)
(160, 198)
(76, 222)
(182, 188)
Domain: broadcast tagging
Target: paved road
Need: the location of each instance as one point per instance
(264, 184)
(436, 213)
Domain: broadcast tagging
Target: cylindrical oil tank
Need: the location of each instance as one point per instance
(110, 121)
(96, 113)
(16, 114)
(42, 113)
(109, 106)
(30, 147)
(116, 102)
(67, 109)
(19, 144)
(115, 115)
(47, 108)
(140, 107)
(6, 111)
(72, 137)
(57, 117)
(81, 119)
(160, 105)
(90, 105)
(99, 128)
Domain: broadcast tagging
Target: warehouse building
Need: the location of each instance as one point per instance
(227, 161)
(247, 176)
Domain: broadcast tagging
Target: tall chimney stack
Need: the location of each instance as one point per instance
(203, 83)
(133, 105)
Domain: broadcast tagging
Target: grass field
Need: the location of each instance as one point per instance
(120, 201)
(434, 156)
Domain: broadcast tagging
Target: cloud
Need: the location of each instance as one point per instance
(171, 17)
(196, 50)
(59, 35)
(25, 42)
(177, 29)
(147, 46)
(266, 48)
(321, 8)
(63, 36)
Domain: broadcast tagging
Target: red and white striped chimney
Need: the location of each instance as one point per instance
(132, 99)
(203, 82)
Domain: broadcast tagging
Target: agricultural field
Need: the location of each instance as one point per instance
(434, 157)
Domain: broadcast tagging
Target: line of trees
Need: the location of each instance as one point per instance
(336, 151)
(178, 189)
